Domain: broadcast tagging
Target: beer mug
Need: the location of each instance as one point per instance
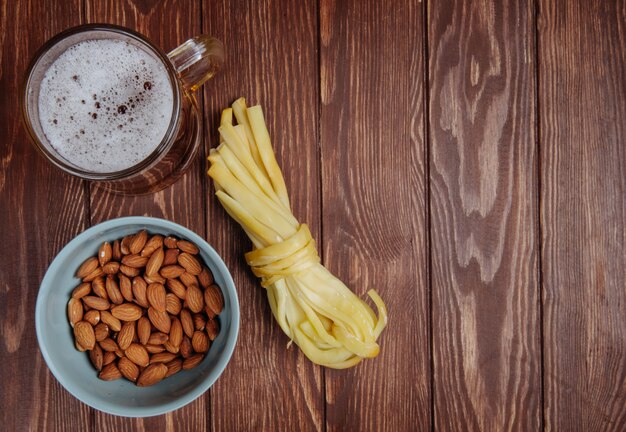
(103, 103)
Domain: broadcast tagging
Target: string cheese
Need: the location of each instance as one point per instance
(330, 324)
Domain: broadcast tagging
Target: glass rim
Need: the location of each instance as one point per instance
(56, 160)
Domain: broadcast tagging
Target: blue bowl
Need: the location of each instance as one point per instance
(73, 369)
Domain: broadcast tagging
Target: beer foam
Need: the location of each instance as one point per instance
(105, 105)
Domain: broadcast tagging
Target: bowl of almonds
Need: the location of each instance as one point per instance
(137, 316)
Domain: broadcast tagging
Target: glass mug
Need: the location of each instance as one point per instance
(186, 69)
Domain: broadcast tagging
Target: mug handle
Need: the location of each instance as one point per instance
(197, 60)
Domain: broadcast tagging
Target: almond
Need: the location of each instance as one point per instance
(97, 357)
(109, 356)
(111, 268)
(155, 242)
(173, 367)
(171, 257)
(212, 329)
(143, 330)
(128, 369)
(125, 244)
(163, 357)
(117, 252)
(113, 290)
(79, 347)
(176, 332)
(170, 242)
(155, 349)
(113, 323)
(109, 344)
(138, 242)
(96, 303)
(92, 317)
(87, 267)
(171, 271)
(172, 304)
(192, 361)
(188, 279)
(156, 296)
(110, 373)
(185, 347)
(126, 335)
(161, 320)
(98, 288)
(126, 287)
(155, 262)
(187, 246)
(154, 278)
(200, 342)
(190, 263)
(171, 347)
(94, 274)
(205, 277)
(81, 290)
(101, 330)
(137, 354)
(139, 290)
(214, 300)
(127, 312)
(199, 321)
(187, 322)
(105, 253)
(152, 375)
(135, 261)
(83, 332)
(158, 338)
(74, 311)
(177, 288)
(195, 301)
(132, 325)
(130, 271)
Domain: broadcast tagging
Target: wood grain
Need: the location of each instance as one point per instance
(42, 209)
(428, 188)
(582, 94)
(272, 61)
(374, 203)
(486, 333)
(167, 23)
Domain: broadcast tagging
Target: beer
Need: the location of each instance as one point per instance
(105, 104)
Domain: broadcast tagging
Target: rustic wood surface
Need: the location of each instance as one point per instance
(465, 159)
(41, 211)
(182, 203)
(270, 387)
(374, 203)
(582, 100)
(483, 212)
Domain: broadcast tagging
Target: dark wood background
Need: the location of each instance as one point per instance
(465, 159)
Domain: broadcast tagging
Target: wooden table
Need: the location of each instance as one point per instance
(466, 159)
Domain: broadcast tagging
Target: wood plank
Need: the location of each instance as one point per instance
(483, 185)
(582, 87)
(42, 209)
(272, 61)
(375, 203)
(167, 24)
